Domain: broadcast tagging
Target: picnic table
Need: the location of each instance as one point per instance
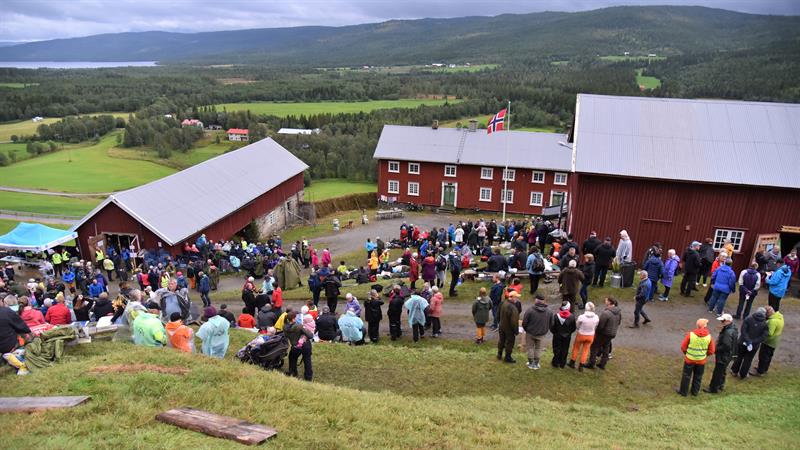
(389, 213)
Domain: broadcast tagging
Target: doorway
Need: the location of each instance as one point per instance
(449, 194)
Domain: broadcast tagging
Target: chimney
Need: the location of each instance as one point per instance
(473, 125)
(435, 125)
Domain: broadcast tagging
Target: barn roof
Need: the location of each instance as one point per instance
(712, 141)
(459, 146)
(180, 205)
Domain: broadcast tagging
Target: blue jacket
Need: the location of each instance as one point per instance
(204, 286)
(670, 267)
(779, 281)
(530, 263)
(352, 327)
(95, 290)
(724, 279)
(654, 268)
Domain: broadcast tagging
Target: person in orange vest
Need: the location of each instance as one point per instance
(697, 346)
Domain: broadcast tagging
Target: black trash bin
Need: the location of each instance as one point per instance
(628, 272)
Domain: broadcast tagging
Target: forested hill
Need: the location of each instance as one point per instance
(665, 30)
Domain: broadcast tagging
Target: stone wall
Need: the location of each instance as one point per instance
(281, 217)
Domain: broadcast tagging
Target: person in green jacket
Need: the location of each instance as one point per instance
(148, 329)
(214, 334)
(775, 326)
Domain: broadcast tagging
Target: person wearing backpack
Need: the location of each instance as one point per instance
(315, 286)
(441, 268)
(455, 271)
(535, 267)
(749, 283)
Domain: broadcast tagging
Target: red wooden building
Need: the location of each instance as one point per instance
(463, 168)
(674, 171)
(261, 182)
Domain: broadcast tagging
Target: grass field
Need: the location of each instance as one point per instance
(296, 109)
(618, 58)
(17, 85)
(646, 82)
(483, 120)
(47, 204)
(91, 170)
(204, 149)
(22, 128)
(435, 394)
(7, 225)
(9, 148)
(330, 188)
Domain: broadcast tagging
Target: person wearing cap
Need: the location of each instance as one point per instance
(754, 332)
(214, 334)
(536, 323)
(725, 348)
(180, 336)
(562, 327)
(642, 292)
(508, 326)
(183, 283)
(723, 281)
(775, 327)
(148, 330)
(697, 346)
(692, 265)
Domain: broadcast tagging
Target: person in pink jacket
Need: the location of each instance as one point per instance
(586, 324)
(32, 317)
(437, 299)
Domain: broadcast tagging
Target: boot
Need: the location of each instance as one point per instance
(509, 359)
(571, 364)
(500, 355)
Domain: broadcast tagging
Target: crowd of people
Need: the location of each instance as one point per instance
(160, 313)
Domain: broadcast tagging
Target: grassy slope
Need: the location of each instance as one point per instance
(91, 170)
(483, 120)
(8, 225)
(19, 148)
(286, 109)
(330, 188)
(47, 204)
(203, 150)
(28, 127)
(392, 396)
(647, 82)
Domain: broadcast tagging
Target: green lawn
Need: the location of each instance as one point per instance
(19, 149)
(335, 187)
(645, 81)
(618, 58)
(483, 120)
(7, 225)
(296, 109)
(457, 69)
(436, 394)
(22, 128)
(47, 204)
(17, 85)
(91, 170)
(203, 150)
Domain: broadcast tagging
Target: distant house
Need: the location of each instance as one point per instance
(238, 135)
(192, 123)
(452, 66)
(651, 55)
(38, 119)
(215, 127)
(291, 131)
(168, 116)
(626, 53)
(437, 65)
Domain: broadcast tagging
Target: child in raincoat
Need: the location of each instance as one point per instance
(214, 334)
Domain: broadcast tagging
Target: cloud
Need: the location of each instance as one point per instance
(25, 20)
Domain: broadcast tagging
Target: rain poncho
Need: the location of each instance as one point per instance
(415, 307)
(149, 331)
(214, 334)
(352, 327)
(124, 323)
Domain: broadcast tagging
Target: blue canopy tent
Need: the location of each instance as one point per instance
(35, 237)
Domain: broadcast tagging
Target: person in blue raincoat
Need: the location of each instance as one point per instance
(415, 308)
(214, 334)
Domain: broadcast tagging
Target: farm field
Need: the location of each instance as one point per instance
(483, 120)
(645, 81)
(617, 58)
(28, 127)
(17, 85)
(204, 149)
(9, 147)
(7, 225)
(330, 188)
(307, 108)
(47, 204)
(91, 170)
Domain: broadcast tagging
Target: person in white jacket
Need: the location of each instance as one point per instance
(586, 325)
(624, 248)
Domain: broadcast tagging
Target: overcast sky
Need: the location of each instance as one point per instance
(25, 20)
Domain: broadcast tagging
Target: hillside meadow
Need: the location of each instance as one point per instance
(309, 108)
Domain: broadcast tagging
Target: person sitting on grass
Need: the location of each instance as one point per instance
(148, 330)
(327, 325)
(342, 270)
(12, 326)
(59, 314)
(180, 336)
(352, 328)
(214, 334)
(246, 320)
(352, 304)
(223, 311)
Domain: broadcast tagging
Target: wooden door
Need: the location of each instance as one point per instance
(95, 242)
(449, 195)
(764, 242)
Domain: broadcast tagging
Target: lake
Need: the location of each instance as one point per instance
(74, 64)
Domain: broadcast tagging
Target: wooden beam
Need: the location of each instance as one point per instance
(30, 404)
(219, 426)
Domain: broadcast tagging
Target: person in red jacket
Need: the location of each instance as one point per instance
(413, 271)
(58, 314)
(277, 298)
(697, 346)
(436, 311)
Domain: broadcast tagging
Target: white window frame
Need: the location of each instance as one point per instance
(511, 172)
(480, 194)
(396, 189)
(272, 218)
(555, 178)
(490, 171)
(504, 197)
(396, 164)
(450, 166)
(555, 191)
(416, 185)
(410, 172)
(541, 198)
(736, 237)
(533, 176)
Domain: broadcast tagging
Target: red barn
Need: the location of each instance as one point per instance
(261, 182)
(674, 171)
(463, 168)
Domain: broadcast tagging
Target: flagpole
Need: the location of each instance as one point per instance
(504, 197)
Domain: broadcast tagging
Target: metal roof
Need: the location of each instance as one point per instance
(177, 206)
(712, 141)
(527, 150)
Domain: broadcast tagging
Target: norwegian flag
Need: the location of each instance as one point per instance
(497, 122)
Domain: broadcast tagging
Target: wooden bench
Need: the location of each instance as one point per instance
(218, 426)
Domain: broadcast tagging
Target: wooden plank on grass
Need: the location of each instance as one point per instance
(29, 404)
(218, 426)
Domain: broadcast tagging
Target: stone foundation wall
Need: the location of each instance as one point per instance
(281, 217)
